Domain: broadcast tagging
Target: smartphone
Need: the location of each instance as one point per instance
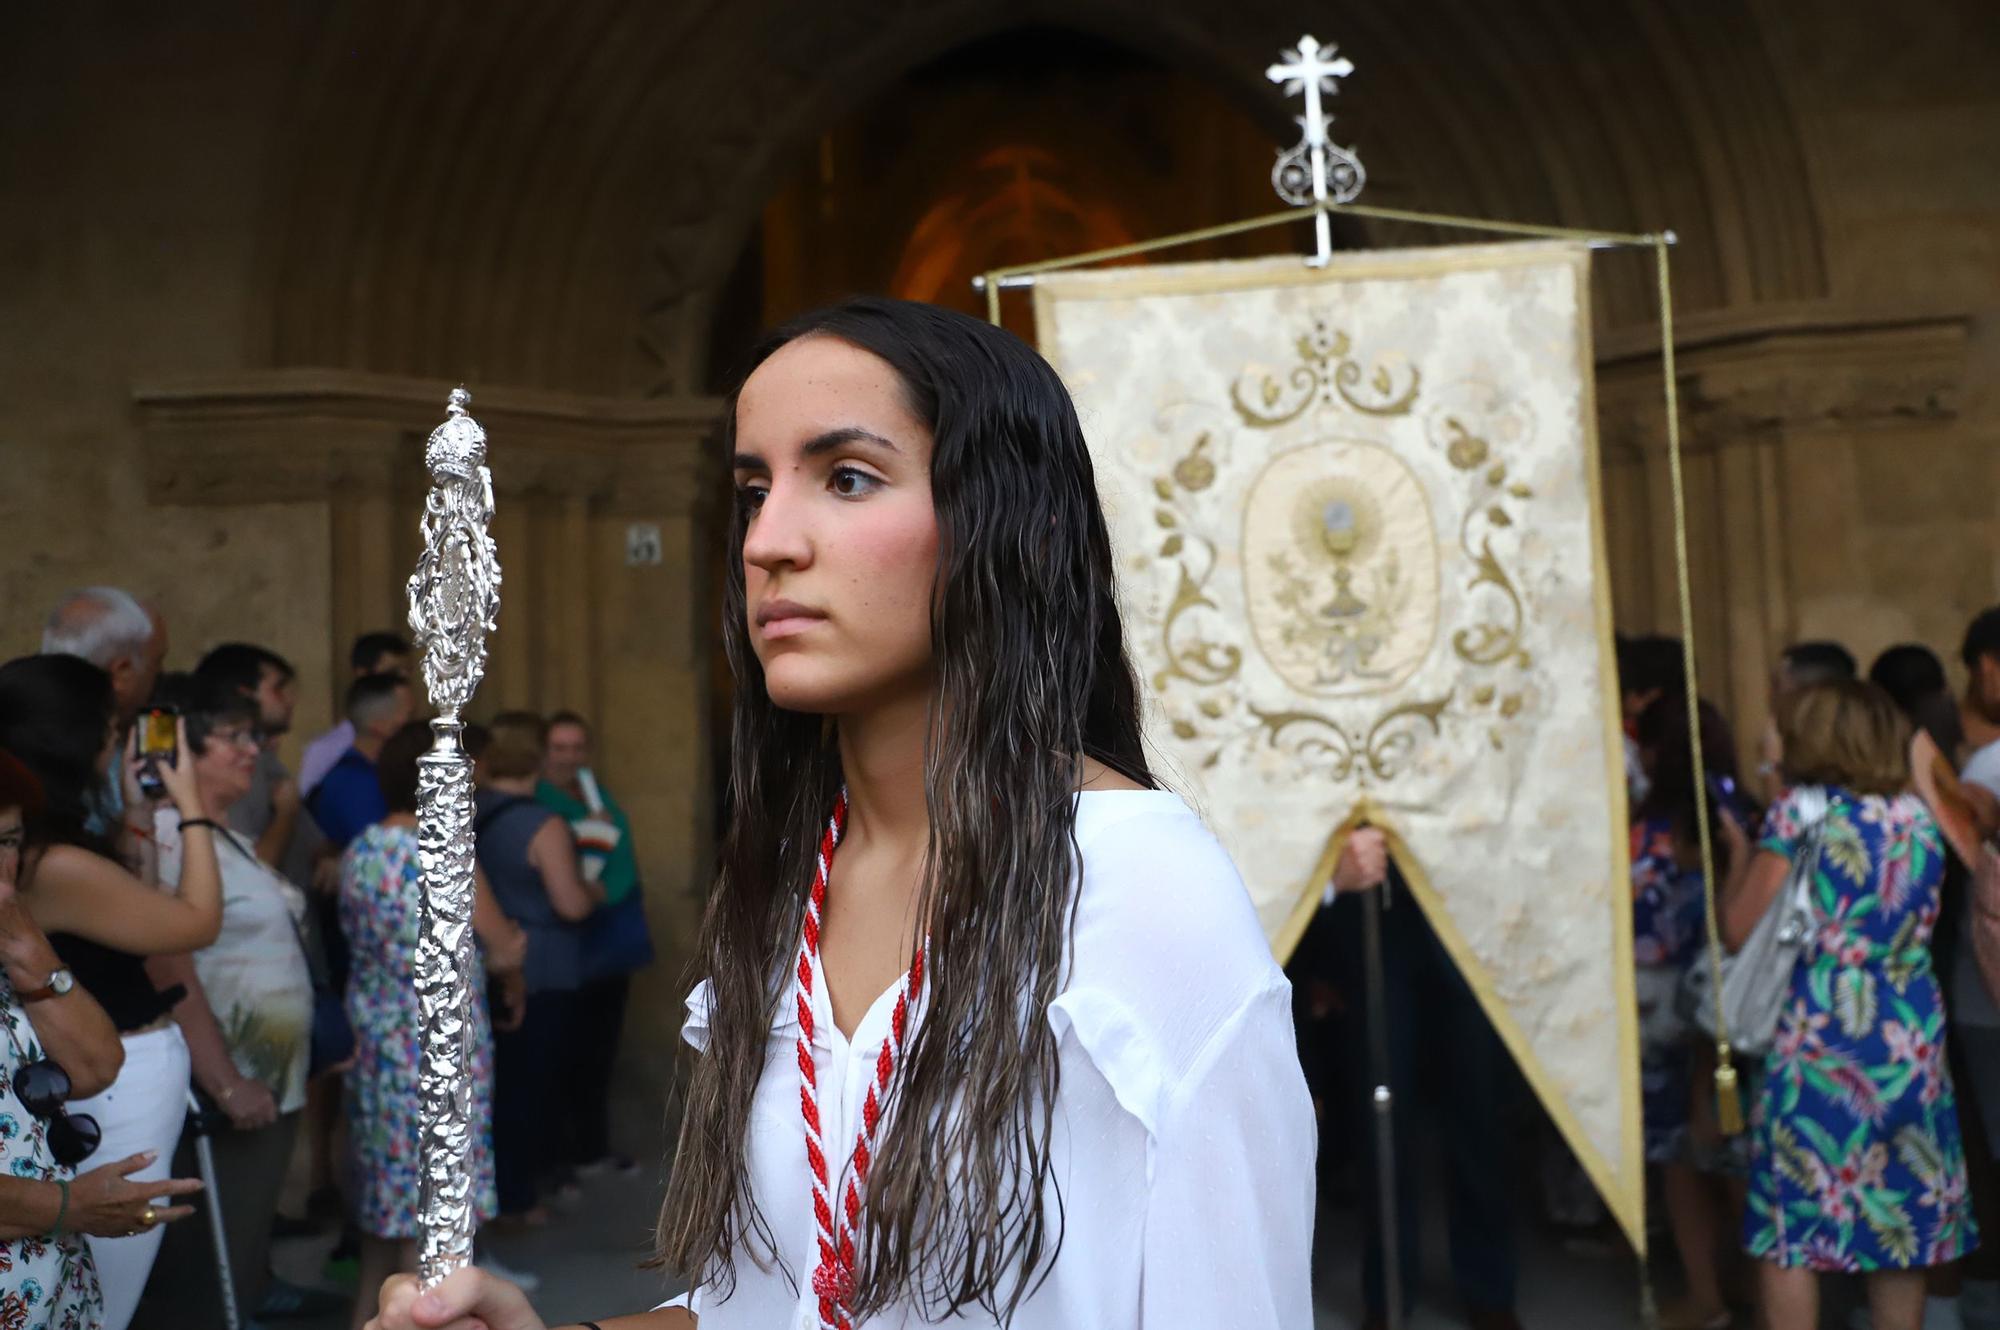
(159, 741)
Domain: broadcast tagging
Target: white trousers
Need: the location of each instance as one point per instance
(144, 1109)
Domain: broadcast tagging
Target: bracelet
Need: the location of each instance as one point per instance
(62, 1211)
(208, 822)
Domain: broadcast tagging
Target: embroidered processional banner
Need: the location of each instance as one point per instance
(1360, 548)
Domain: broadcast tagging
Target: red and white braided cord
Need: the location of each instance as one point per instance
(833, 1275)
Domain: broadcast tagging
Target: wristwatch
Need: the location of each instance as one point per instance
(60, 982)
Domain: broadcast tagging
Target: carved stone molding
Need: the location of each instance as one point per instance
(582, 625)
(1747, 375)
(631, 184)
(297, 435)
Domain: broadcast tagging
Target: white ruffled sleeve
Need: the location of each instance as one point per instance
(694, 1030)
(1229, 1215)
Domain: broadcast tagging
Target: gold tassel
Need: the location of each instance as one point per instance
(1728, 1106)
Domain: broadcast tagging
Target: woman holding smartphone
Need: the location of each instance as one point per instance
(104, 918)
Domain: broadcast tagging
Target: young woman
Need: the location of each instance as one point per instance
(57, 716)
(1858, 1163)
(1025, 1030)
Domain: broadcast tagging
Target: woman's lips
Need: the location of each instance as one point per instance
(790, 625)
(786, 618)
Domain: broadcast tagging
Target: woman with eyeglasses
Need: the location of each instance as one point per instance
(54, 1046)
(98, 900)
(247, 1013)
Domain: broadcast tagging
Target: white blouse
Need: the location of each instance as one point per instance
(255, 973)
(1183, 1138)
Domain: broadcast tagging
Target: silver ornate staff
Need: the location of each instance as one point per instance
(454, 597)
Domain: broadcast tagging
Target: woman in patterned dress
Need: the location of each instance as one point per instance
(1858, 1163)
(48, 1280)
(379, 902)
(1668, 906)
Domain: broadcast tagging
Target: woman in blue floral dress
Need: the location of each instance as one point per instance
(1858, 1164)
(1669, 908)
(380, 898)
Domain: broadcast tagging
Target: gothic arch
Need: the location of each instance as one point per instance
(553, 196)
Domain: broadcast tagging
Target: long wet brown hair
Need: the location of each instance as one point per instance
(1032, 673)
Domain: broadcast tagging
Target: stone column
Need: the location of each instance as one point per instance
(628, 643)
(1809, 435)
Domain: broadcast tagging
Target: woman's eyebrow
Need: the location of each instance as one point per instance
(846, 434)
(818, 445)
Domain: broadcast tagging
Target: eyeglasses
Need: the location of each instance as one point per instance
(43, 1087)
(248, 737)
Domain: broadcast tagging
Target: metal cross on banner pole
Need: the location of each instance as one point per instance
(1315, 171)
(454, 598)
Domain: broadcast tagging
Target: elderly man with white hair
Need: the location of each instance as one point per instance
(110, 628)
(113, 631)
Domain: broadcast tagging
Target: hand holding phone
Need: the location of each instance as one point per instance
(156, 741)
(164, 764)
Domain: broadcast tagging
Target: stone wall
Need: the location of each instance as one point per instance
(132, 159)
(209, 200)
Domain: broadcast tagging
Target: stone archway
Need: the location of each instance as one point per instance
(389, 198)
(585, 179)
(579, 184)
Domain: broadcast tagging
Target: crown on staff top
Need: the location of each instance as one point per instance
(458, 446)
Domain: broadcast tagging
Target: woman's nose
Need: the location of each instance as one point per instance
(779, 532)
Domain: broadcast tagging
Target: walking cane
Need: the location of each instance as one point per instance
(202, 1122)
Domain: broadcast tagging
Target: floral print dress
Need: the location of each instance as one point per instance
(380, 900)
(45, 1284)
(1858, 1161)
(1668, 909)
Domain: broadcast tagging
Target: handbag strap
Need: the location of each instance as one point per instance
(315, 957)
(1806, 866)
